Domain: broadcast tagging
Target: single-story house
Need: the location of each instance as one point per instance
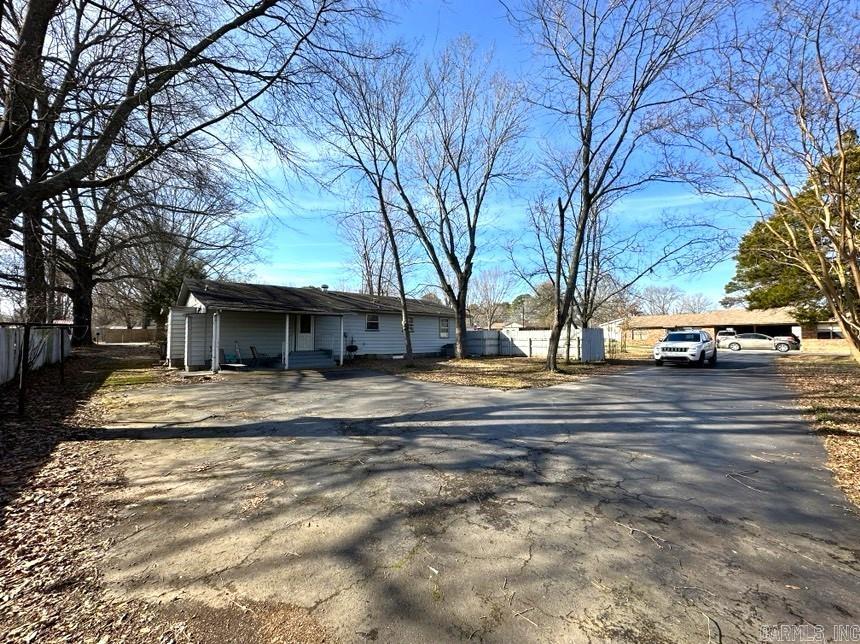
(216, 322)
(649, 329)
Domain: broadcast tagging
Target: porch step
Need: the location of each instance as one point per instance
(318, 359)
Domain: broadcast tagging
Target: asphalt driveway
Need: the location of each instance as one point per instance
(664, 504)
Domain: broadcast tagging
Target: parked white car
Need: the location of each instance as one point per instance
(783, 343)
(725, 336)
(691, 347)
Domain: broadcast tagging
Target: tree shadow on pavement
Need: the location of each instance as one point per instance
(624, 508)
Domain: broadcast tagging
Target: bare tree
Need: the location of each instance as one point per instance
(116, 302)
(694, 303)
(114, 86)
(614, 258)
(367, 120)
(187, 234)
(614, 73)
(171, 218)
(469, 145)
(461, 123)
(372, 257)
(660, 300)
(489, 299)
(777, 132)
(371, 252)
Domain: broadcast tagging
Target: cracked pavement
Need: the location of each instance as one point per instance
(651, 505)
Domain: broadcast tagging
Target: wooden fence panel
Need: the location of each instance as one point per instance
(10, 343)
(44, 349)
(584, 344)
(122, 336)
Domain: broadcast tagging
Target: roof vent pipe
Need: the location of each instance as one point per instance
(324, 287)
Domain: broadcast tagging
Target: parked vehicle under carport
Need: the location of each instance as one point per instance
(783, 344)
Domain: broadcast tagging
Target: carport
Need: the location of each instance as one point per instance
(767, 329)
(651, 328)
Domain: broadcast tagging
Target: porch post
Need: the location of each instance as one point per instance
(169, 336)
(287, 341)
(216, 342)
(341, 340)
(187, 353)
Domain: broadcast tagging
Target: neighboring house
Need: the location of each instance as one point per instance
(294, 328)
(649, 329)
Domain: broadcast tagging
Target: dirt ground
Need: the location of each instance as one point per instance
(639, 505)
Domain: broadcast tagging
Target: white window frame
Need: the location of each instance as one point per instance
(445, 329)
(367, 322)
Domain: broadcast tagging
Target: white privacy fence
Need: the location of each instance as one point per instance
(584, 344)
(45, 348)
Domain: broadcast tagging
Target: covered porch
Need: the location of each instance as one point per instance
(225, 339)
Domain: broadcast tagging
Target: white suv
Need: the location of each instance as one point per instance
(686, 346)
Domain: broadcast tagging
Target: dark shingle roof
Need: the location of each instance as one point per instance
(235, 296)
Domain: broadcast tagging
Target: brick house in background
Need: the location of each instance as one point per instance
(650, 329)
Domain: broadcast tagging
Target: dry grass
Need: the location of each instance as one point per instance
(828, 388)
(493, 373)
(638, 351)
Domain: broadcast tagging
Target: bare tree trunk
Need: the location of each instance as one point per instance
(564, 299)
(398, 271)
(35, 284)
(567, 349)
(160, 328)
(460, 324)
(52, 273)
(82, 306)
(20, 98)
(849, 331)
(851, 338)
(552, 349)
(82, 316)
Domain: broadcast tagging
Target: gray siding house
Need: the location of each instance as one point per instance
(217, 323)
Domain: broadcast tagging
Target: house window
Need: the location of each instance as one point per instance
(371, 322)
(410, 322)
(443, 327)
(828, 331)
(304, 324)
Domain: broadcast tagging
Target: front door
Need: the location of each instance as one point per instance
(305, 333)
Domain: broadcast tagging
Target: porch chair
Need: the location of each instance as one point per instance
(262, 359)
(232, 363)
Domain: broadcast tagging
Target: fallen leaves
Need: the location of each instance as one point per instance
(828, 388)
(55, 529)
(53, 521)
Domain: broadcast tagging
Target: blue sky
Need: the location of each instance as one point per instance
(303, 246)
